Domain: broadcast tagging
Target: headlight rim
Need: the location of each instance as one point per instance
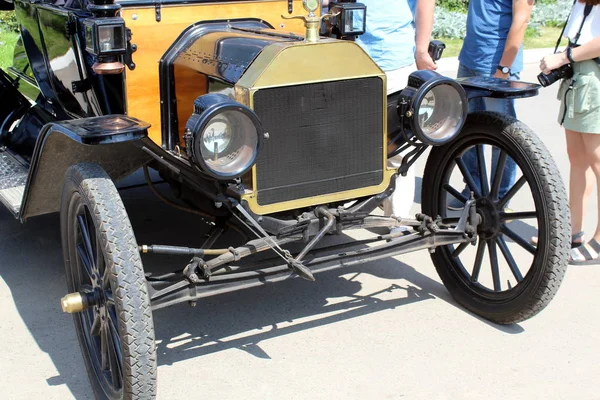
(208, 107)
(420, 91)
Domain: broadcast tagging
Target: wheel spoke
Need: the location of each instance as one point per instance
(112, 319)
(114, 355)
(494, 264)
(511, 193)
(478, 261)
(509, 258)
(498, 174)
(518, 239)
(106, 280)
(100, 265)
(483, 178)
(85, 261)
(460, 249)
(110, 300)
(518, 215)
(458, 195)
(104, 347)
(87, 243)
(468, 177)
(96, 325)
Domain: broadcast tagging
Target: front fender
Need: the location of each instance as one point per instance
(110, 141)
(480, 86)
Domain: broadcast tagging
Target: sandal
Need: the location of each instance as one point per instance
(574, 240)
(586, 254)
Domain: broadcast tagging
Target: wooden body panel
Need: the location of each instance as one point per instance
(153, 38)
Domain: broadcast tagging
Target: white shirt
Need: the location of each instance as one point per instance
(591, 27)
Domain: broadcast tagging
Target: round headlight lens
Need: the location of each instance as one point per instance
(440, 114)
(229, 143)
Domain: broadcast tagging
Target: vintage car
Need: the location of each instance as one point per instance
(262, 126)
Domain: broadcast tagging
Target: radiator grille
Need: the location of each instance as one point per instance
(323, 138)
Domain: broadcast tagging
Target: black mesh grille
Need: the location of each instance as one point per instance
(323, 138)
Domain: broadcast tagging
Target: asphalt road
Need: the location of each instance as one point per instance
(387, 330)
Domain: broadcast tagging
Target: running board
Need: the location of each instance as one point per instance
(13, 176)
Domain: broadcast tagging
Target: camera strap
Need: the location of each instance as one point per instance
(586, 13)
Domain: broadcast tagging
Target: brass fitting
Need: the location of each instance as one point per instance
(73, 302)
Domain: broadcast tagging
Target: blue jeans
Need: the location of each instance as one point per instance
(503, 106)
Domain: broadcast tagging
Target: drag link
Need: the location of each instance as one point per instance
(179, 251)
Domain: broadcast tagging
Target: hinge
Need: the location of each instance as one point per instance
(131, 48)
(290, 6)
(71, 28)
(157, 10)
(81, 86)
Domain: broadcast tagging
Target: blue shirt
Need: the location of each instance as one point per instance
(390, 33)
(488, 23)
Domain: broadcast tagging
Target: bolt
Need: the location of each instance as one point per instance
(192, 303)
(266, 135)
(218, 204)
(134, 17)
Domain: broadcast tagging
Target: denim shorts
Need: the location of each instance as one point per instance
(580, 99)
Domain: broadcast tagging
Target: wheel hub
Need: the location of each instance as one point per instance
(490, 218)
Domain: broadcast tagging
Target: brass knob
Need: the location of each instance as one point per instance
(73, 302)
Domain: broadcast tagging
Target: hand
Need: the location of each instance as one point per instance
(500, 75)
(552, 62)
(424, 61)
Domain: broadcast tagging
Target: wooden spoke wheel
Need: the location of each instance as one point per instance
(115, 331)
(518, 194)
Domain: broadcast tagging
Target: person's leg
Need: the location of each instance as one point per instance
(470, 156)
(507, 107)
(591, 146)
(580, 178)
(401, 201)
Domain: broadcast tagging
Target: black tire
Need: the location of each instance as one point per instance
(101, 257)
(535, 288)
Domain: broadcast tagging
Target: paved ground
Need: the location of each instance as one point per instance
(389, 330)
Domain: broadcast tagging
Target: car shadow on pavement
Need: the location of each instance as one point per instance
(31, 265)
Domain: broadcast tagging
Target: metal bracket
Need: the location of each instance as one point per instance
(131, 48)
(157, 14)
(197, 269)
(410, 158)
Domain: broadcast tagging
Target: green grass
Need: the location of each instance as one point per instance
(8, 40)
(546, 38)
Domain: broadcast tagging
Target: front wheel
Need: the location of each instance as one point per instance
(115, 332)
(519, 194)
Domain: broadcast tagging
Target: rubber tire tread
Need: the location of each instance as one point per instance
(136, 327)
(554, 195)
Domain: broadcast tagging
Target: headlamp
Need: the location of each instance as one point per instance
(350, 18)
(223, 137)
(433, 108)
(105, 36)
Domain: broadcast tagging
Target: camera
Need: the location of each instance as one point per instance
(564, 72)
(436, 48)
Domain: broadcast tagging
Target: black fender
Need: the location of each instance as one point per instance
(111, 141)
(6, 5)
(481, 86)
